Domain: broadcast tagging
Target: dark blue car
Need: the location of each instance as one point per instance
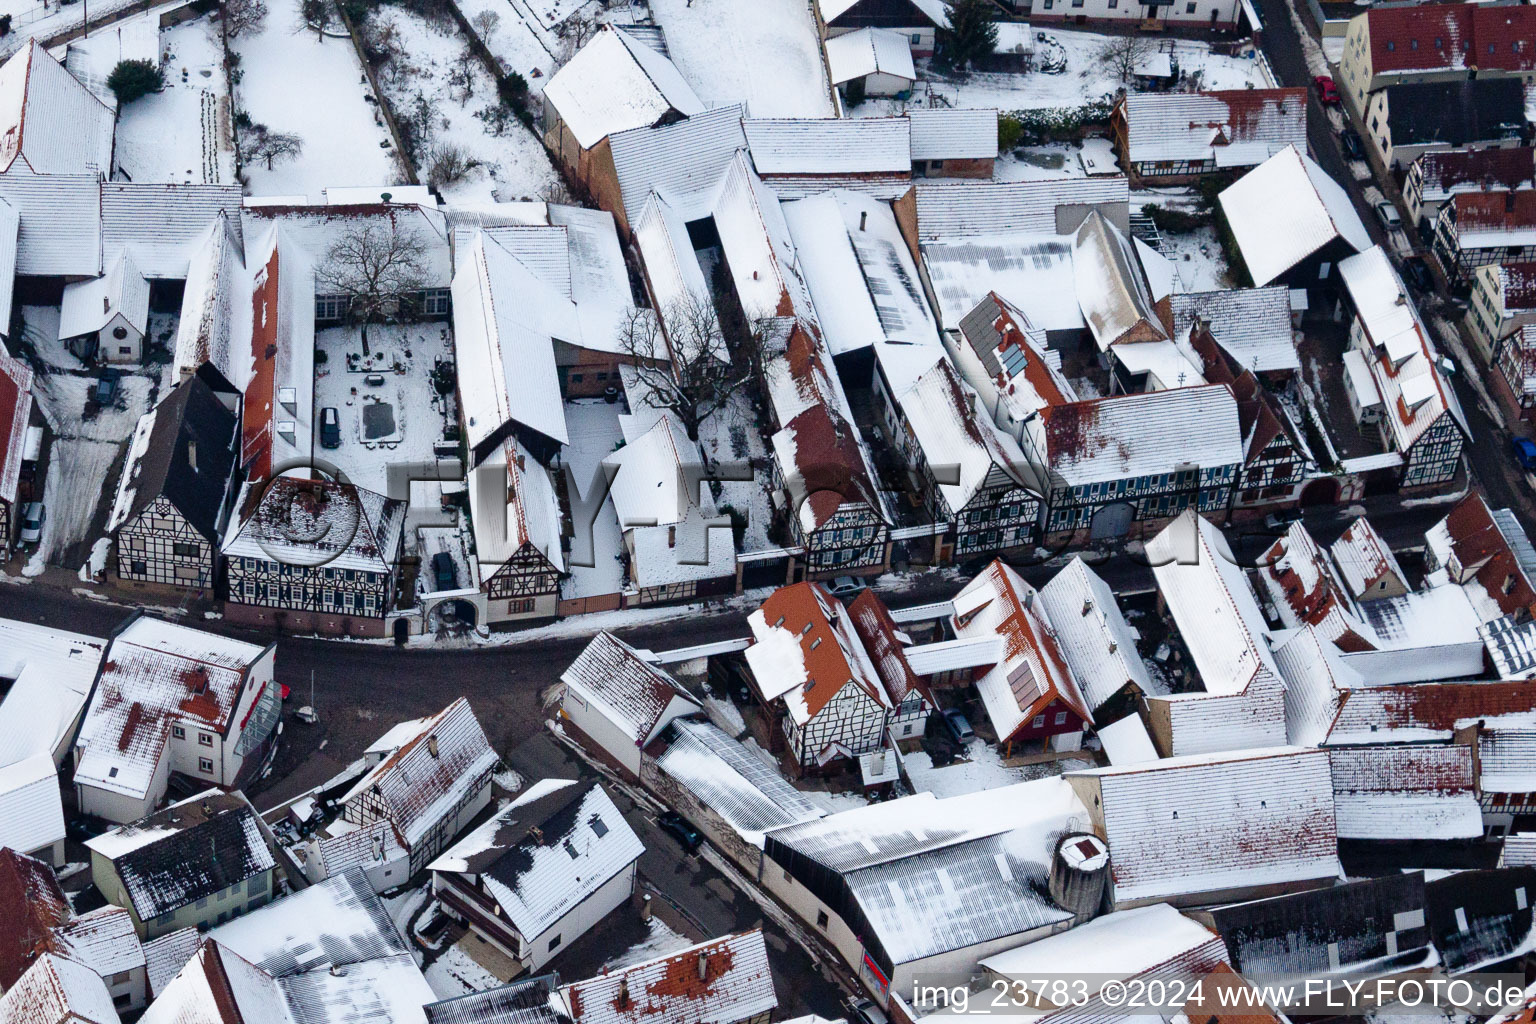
(1525, 452)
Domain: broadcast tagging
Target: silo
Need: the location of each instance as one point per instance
(1079, 874)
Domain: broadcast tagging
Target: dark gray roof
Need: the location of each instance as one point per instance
(522, 1002)
(1481, 918)
(191, 413)
(1288, 936)
(979, 328)
(1455, 112)
(211, 842)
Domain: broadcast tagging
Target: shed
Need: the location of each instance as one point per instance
(877, 57)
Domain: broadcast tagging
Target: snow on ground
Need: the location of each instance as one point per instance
(516, 39)
(50, 20)
(510, 165)
(292, 81)
(661, 941)
(455, 973)
(1084, 77)
(403, 907)
(732, 436)
(181, 133)
(1197, 260)
(763, 52)
(1057, 160)
(725, 715)
(416, 408)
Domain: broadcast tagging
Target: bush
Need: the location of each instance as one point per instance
(853, 92)
(132, 79)
(1010, 132)
(1062, 122)
(447, 164)
(513, 91)
(1175, 222)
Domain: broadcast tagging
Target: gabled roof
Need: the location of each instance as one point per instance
(166, 956)
(921, 12)
(1304, 588)
(104, 940)
(191, 422)
(953, 133)
(31, 812)
(204, 332)
(1014, 354)
(1444, 172)
(1363, 557)
(634, 694)
(1208, 595)
(886, 645)
(1253, 325)
(953, 210)
(1427, 712)
(156, 673)
(513, 503)
(425, 780)
(1033, 673)
(1112, 286)
(89, 306)
(50, 121)
(1127, 436)
(1455, 113)
(1094, 637)
(1237, 128)
(59, 230)
(1518, 284)
(1456, 36)
(1405, 792)
(720, 981)
(524, 1001)
(806, 651)
(1316, 679)
(57, 990)
(832, 145)
(1286, 209)
(32, 905)
(189, 851)
(313, 523)
(869, 51)
(1121, 945)
(276, 412)
(1184, 826)
(163, 224)
(545, 852)
(951, 431)
(1478, 919)
(614, 83)
(733, 782)
(1485, 219)
(15, 414)
(682, 162)
(1491, 555)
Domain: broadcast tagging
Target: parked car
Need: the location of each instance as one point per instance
(673, 823)
(1525, 452)
(1282, 519)
(959, 729)
(374, 380)
(1447, 365)
(444, 573)
(1353, 147)
(1388, 215)
(33, 515)
(330, 427)
(105, 391)
(1419, 274)
(1327, 92)
(864, 1011)
(846, 586)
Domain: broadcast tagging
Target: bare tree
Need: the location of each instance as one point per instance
(243, 16)
(486, 23)
(1122, 55)
(260, 144)
(447, 164)
(686, 368)
(380, 268)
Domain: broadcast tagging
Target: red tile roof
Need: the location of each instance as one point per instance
(873, 623)
(31, 906)
(808, 612)
(261, 389)
(15, 410)
(716, 982)
(1519, 286)
(1495, 211)
(1378, 711)
(1481, 548)
(1490, 168)
(1453, 35)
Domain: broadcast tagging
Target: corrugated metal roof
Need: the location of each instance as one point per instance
(1252, 324)
(953, 210)
(836, 145)
(682, 161)
(735, 985)
(953, 133)
(734, 783)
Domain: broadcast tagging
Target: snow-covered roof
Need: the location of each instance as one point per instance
(1286, 209)
(1184, 826)
(104, 940)
(953, 133)
(1127, 436)
(1211, 602)
(15, 414)
(719, 981)
(1126, 741)
(806, 651)
(204, 330)
(313, 523)
(1054, 206)
(733, 782)
(682, 162)
(276, 343)
(1030, 270)
(156, 673)
(1302, 583)
(758, 248)
(545, 852)
(31, 811)
(671, 266)
(60, 230)
(1405, 792)
(166, 956)
(89, 306)
(163, 224)
(505, 322)
(1237, 128)
(933, 876)
(1428, 712)
(1094, 637)
(863, 281)
(50, 121)
(1013, 353)
(189, 851)
(10, 243)
(57, 990)
(869, 51)
(614, 83)
(1363, 557)
(1112, 287)
(1120, 946)
(419, 785)
(1033, 673)
(1432, 632)
(1316, 678)
(1253, 325)
(831, 145)
(957, 436)
(633, 693)
(512, 502)
(926, 12)
(599, 279)
(1511, 646)
(51, 672)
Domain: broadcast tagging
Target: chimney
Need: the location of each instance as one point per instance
(338, 971)
(671, 536)
(536, 834)
(1087, 605)
(703, 965)
(624, 992)
(863, 218)
(432, 746)
(106, 305)
(192, 455)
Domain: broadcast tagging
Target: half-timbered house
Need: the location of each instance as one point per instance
(1180, 136)
(1423, 419)
(1476, 229)
(1027, 688)
(813, 674)
(15, 413)
(1514, 356)
(912, 699)
(517, 521)
(176, 490)
(313, 554)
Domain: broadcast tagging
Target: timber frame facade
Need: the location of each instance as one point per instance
(1435, 456)
(1154, 496)
(850, 724)
(854, 537)
(528, 583)
(1273, 471)
(266, 582)
(159, 545)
